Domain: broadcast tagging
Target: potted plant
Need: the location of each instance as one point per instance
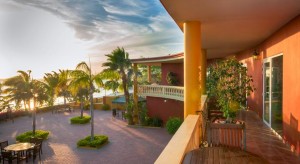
(172, 78)
(230, 85)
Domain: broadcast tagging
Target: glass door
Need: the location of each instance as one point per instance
(273, 79)
(267, 83)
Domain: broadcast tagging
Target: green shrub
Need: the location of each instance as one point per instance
(79, 120)
(173, 124)
(148, 121)
(105, 107)
(155, 121)
(142, 113)
(25, 137)
(96, 143)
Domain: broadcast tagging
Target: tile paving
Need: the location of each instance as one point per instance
(262, 141)
(126, 144)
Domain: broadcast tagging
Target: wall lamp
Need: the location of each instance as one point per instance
(255, 54)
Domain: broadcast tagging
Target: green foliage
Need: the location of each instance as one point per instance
(22, 88)
(25, 137)
(155, 122)
(229, 83)
(172, 78)
(142, 112)
(79, 120)
(105, 107)
(86, 106)
(173, 124)
(155, 74)
(129, 113)
(96, 143)
(118, 61)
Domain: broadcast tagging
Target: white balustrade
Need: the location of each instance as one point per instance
(162, 91)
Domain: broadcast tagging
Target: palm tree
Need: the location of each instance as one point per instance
(50, 83)
(80, 93)
(2, 101)
(18, 88)
(23, 88)
(62, 87)
(112, 79)
(39, 92)
(82, 77)
(118, 61)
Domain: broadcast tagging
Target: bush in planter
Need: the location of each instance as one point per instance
(105, 107)
(173, 124)
(229, 83)
(172, 78)
(80, 120)
(98, 141)
(25, 137)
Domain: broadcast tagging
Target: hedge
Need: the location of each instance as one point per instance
(98, 141)
(25, 137)
(79, 120)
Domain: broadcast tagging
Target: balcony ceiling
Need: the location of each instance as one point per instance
(230, 26)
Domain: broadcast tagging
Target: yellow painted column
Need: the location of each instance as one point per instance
(149, 73)
(203, 71)
(192, 60)
(135, 94)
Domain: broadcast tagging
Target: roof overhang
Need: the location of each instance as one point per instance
(175, 58)
(231, 26)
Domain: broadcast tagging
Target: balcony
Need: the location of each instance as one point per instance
(170, 92)
(187, 138)
(260, 141)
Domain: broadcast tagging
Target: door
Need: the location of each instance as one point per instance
(272, 87)
(266, 88)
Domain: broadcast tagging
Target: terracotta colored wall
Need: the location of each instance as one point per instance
(286, 41)
(158, 107)
(172, 67)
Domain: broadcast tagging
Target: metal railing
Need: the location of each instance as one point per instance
(162, 91)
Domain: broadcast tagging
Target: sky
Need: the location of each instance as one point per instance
(47, 35)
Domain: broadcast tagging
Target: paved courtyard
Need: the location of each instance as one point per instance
(126, 144)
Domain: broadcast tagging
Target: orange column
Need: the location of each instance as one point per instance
(192, 60)
(203, 71)
(135, 94)
(149, 73)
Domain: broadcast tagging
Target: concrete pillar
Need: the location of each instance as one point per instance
(192, 60)
(203, 71)
(149, 73)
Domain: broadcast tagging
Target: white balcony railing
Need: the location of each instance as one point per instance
(187, 138)
(162, 91)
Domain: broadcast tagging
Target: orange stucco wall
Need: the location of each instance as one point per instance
(164, 108)
(172, 67)
(286, 41)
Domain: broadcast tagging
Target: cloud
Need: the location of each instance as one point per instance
(143, 28)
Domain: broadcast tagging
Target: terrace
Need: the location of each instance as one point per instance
(260, 140)
(126, 144)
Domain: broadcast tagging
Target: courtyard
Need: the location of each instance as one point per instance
(126, 144)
